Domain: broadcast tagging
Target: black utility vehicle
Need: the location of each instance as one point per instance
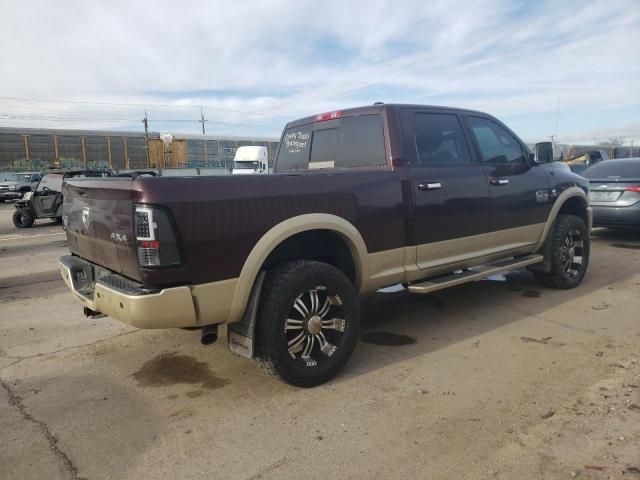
(46, 200)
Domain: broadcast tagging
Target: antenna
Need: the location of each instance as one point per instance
(557, 118)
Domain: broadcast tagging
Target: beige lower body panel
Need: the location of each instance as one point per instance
(213, 303)
(410, 264)
(454, 251)
(386, 268)
(213, 300)
(184, 306)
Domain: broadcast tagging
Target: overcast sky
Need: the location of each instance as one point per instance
(278, 60)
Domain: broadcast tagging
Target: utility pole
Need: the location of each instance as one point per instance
(557, 117)
(145, 121)
(202, 120)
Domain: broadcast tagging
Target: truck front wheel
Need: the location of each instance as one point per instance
(569, 253)
(308, 322)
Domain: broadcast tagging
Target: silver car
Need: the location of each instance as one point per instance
(17, 184)
(614, 193)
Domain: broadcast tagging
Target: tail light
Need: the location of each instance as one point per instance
(635, 188)
(155, 237)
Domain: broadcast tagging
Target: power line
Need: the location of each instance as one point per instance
(60, 118)
(123, 104)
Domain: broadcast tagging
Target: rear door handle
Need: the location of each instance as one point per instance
(499, 181)
(429, 186)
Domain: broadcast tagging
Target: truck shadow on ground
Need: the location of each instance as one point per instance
(400, 325)
(629, 239)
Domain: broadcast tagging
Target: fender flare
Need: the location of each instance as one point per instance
(567, 194)
(279, 233)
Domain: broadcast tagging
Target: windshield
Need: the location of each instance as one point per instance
(246, 165)
(52, 182)
(19, 177)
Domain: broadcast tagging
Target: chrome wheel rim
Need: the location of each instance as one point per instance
(572, 253)
(315, 326)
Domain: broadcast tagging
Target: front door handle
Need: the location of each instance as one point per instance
(429, 186)
(499, 181)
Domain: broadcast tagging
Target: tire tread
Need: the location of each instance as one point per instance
(277, 280)
(556, 278)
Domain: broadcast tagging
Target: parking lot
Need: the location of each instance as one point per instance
(500, 378)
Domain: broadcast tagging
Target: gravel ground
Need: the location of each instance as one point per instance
(500, 378)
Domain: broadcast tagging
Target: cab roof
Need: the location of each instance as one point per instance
(371, 110)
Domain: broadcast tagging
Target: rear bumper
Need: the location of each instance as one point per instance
(616, 216)
(184, 306)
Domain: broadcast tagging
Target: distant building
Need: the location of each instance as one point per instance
(34, 149)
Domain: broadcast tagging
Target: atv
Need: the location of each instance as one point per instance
(46, 200)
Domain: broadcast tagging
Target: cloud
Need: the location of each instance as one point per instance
(284, 59)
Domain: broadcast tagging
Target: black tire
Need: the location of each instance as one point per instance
(333, 311)
(22, 218)
(569, 253)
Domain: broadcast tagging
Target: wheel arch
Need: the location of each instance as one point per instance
(267, 250)
(573, 201)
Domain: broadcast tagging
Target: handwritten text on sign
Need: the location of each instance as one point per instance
(296, 141)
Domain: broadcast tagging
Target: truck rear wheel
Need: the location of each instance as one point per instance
(308, 322)
(570, 248)
(23, 218)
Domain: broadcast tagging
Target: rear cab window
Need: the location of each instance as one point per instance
(341, 143)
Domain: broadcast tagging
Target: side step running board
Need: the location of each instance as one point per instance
(474, 273)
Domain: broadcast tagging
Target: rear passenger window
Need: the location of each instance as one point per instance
(495, 143)
(361, 142)
(348, 142)
(439, 140)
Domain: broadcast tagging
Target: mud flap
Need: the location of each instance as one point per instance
(241, 335)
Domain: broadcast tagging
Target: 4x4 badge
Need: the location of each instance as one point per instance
(86, 217)
(119, 237)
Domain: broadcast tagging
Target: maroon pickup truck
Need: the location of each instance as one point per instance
(363, 198)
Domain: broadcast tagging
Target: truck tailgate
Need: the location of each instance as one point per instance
(98, 218)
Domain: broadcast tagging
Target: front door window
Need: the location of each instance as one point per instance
(496, 144)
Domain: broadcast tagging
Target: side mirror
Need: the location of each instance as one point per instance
(544, 152)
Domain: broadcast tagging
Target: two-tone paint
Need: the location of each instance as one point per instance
(394, 230)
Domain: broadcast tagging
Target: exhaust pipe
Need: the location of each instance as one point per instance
(209, 334)
(92, 313)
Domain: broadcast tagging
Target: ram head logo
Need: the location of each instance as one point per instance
(86, 217)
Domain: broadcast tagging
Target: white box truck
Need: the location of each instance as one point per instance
(251, 160)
